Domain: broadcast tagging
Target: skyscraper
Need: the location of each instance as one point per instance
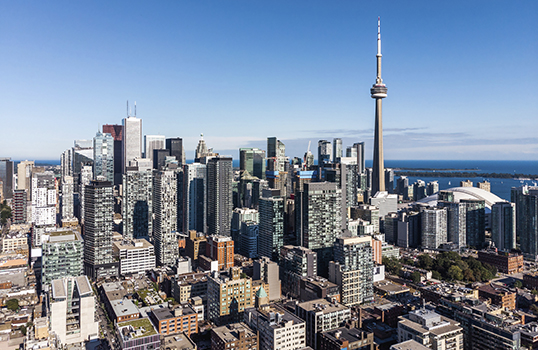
(43, 199)
(352, 269)
(194, 198)
(253, 161)
(526, 201)
(165, 211)
(359, 146)
(19, 208)
(271, 226)
(117, 134)
(68, 212)
(295, 263)
(152, 142)
(434, 228)
(132, 140)
(6, 177)
(219, 195)
(103, 157)
(24, 175)
(201, 149)
(318, 213)
(324, 152)
(503, 225)
(379, 92)
(175, 146)
(337, 149)
(137, 207)
(99, 214)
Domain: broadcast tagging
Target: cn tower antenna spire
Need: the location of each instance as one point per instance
(378, 36)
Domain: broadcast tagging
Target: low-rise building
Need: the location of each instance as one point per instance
(408, 345)
(16, 240)
(137, 334)
(278, 328)
(123, 310)
(508, 263)
(238, 334)
(182, 318)
(318, 288)
(530, 280)
(189, 285)
(498, 295)
(178, 342)
(135, 256)
(430, 329)
(320, 316)
(346, 338)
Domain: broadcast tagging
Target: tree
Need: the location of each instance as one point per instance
(436, 275)
(12, 304)
(534, 309)
(415, 277)
(425, 261)
(518, 284)
(455, 273)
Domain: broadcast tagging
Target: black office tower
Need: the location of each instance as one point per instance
(175, 146)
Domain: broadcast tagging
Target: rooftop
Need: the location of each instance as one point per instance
(343, 333)
(230, 332)
(178, 342)
(124, 307)
(466, 193)
(132, 244)
(408, 345)
(134, 329)
(277, 317)
(321, 305)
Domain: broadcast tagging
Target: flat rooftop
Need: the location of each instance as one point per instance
(230, 332)
(133, 244)
(322, 305)
(124, 307)
(134, 329)
(178, 342)
(390, 288)
(408, 345)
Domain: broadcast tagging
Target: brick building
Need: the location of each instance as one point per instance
(508, 263)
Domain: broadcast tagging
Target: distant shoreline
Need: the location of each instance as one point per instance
(469, 174)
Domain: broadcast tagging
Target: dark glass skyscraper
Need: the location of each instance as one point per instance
(98, 216)
(175, 146)
(219, 195)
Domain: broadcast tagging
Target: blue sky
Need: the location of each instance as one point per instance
(461, 75)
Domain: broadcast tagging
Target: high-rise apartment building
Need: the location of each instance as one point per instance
(71, 304)
(337, 150)
(19, 207)
(6, 177)
(318, 212)
(475, 222)
(434, 227)
(221, 249)
(98, 230)
(253, 161)
(68, 205)
(194, 198)
(132, 140)
(103, 157)
(62, 256)
(44, 198)
(321, 315)
(271, 224)
(116, 131)
(325, 150)
(503, 225)
(295, 263)
(228, 295)
(152, 142)
(352, 269)
(175, 146)
(165, 212)
(526, 200)
(359, 146)
(219, 195)
(248, 239)
(24, 176)
(137, 206)
(240, 215)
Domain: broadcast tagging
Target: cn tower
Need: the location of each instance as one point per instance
(379, 92)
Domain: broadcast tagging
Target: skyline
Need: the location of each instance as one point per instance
(279, 69)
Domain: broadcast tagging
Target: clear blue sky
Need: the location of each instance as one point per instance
(462, 76)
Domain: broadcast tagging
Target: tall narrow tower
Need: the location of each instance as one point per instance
(379, 92)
